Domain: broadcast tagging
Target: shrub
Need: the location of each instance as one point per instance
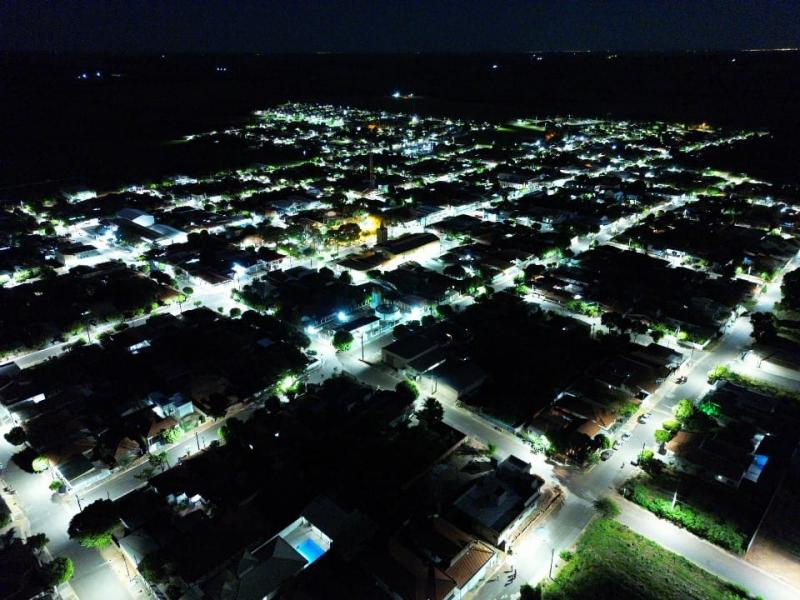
(671, 425)
(607, 508)
(56, 485)
(663, 436)
(566, 555)
(684, 409)
(723, 534)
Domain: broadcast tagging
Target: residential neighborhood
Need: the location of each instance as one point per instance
(403, 356)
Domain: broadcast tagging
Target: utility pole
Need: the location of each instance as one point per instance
(78, 500)
(197, 439)
(552, 558)
(362, 346)
(674, 498)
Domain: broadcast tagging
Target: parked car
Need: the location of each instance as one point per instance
(681, 379)
(606, 454)
(626, 436)
(617, 444)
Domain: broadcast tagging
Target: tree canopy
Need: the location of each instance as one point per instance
(94, 525)
(431, 413)
(342, 341)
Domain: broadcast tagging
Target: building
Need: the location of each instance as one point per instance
(410, 247)
(432, 559)
(134, 215)
(499, 506)
(451, 379)
(401, 352)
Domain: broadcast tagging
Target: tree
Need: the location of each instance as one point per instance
(16, 436)
(407, 389)
(607, 508)
(235, 312)
(399, 331)
(173, 434)
(61, 570)
(763, 326)
(528, 592)
(40, 464)
(684, 409)
(37, 541)
(345, 277)
(603, 441)
(342, 340)
(431, 413)
(152, 569)
(94, 525)
(663, 436)
(157, 459)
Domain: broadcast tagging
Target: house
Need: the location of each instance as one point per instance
(499, 506)
(262, 569)
(177, 405)
(79, 472)
(432, 559)
(729, 456)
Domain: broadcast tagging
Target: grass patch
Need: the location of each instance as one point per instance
(705, 509)
(613, 562)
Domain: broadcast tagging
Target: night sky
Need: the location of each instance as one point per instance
(396, 25)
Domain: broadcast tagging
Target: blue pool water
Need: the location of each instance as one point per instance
(310, 550)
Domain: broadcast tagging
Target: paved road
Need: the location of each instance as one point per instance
(49, 514)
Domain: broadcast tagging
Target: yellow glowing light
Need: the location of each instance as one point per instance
(370, 224)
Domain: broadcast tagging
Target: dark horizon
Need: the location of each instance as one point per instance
(361, 26)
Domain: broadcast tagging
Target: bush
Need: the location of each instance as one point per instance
(16, 436)
(56, 485)
(61, 570)
(671, 425)
(566, 555)
(684, 409)
(607, 508)
(663, 436)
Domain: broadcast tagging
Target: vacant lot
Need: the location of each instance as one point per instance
(615, 563)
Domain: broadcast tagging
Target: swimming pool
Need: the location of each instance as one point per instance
(310, 550)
